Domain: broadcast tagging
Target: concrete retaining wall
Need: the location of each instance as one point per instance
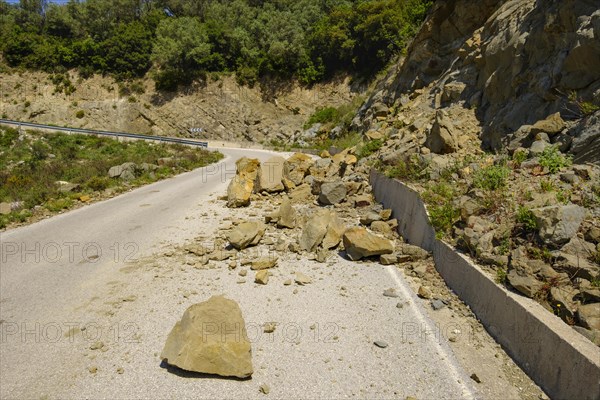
(564, 363)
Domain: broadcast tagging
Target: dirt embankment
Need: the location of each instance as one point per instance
(217, 109)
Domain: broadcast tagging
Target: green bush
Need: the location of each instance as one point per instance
(588, 108)
(492, 177)
(369, 148)
(7, 137)
(501, 275)
(443, 218)
(519, 157)
(80, 114)
(309, 40)
(322, 116)
(98, 183)
(413, 169)
(526, 219)
(554, 160)
(547, 185)
(59, 204)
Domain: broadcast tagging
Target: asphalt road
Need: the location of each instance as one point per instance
(89, 275)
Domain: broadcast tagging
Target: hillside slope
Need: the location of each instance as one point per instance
(510, 63)
(220, 107)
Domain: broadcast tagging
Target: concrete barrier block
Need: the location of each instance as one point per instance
(407, 207)
(564, 363)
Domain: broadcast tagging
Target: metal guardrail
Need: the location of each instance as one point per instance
(105, 133)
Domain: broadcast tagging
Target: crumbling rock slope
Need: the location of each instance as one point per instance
(512, 62)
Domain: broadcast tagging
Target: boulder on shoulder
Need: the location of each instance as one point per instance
(360, 243)
(296, 167)
(287, 215)
(323, 228)
(211, 338)
(332, 193)
(126, 171)
(270, 175)
(242, 185)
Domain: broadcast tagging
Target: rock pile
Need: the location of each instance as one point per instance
(312, 194)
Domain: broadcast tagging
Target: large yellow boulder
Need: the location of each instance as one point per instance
(241, 186)
(211, 338)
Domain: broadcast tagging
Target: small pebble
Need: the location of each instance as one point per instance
(381, 344)
(269, 327)
(264, 388)
(424, 292)
(97, 346)
(390, 293)
(475, 378)
(437, 304)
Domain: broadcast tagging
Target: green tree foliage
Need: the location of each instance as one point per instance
(181, 39)
(181, 48)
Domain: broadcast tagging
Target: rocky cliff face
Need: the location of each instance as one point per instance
(511, 62)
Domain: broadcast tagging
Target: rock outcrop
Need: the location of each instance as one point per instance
(516, 63)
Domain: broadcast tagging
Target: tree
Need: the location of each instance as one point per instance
(181, 49)
(127, 52)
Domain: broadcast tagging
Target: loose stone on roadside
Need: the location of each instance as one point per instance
(424, 292)
(264, 388)
(262, 277)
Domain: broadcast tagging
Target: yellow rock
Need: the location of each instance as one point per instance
(296, 167)
(360, 243)
(241, 186)
(211, 338)
(262, 277)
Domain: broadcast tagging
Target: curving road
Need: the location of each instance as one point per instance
(90, 275)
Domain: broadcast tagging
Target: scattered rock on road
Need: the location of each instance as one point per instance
(246, 234)
(262, 277)
(264, 388)
(270, 175)
(391, 292)
(302, 279)
(264, 263)
(332, 193)
(360, 243)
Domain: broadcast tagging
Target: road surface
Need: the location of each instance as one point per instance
(98, 274)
